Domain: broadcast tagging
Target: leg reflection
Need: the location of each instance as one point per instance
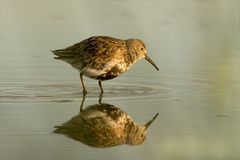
(83, 100)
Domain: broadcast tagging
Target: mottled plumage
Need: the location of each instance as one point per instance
(104, 125)
(103, 58)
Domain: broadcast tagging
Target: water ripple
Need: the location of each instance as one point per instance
(159, 87)
(69, 92)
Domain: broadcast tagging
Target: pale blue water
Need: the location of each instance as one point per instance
(196, 92)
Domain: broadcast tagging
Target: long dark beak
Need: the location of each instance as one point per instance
(150, 61)
(150, 122)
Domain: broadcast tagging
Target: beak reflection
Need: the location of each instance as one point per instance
(151, 121)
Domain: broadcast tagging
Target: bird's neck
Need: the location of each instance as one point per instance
(131, 58)
(131, 131)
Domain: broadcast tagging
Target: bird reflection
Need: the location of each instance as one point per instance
(104, 125)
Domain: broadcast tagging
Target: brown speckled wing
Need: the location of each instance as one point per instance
(95, 50)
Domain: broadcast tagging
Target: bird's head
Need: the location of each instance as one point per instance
(138, 50)
(137, 133)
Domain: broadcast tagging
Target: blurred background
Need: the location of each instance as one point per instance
(195, 43)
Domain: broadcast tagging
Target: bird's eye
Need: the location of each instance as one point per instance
(142, 49)
(141, 135)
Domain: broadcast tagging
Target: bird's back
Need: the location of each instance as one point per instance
(97, 125)
(93, 52)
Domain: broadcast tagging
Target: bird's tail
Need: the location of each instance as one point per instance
(62, 54)
(71, 57)
(65, 55)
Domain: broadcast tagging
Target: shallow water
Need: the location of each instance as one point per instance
(196, 92)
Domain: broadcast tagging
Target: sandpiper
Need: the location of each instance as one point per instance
(103, 58)
(104, 125)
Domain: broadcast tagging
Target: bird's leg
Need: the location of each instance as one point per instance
(100, 98)
(100, 85)
(81, 106)
(83, 86)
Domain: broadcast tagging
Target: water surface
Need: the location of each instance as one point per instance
(196, 92)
